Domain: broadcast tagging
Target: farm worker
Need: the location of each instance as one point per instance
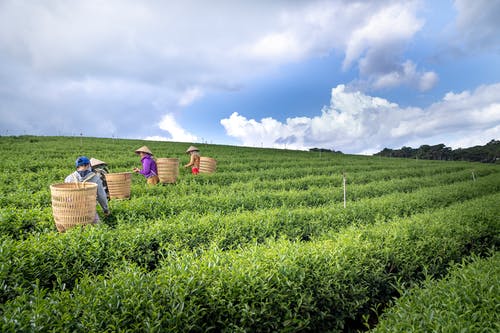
(100, 168)
(149, 168)
(84, 174)
(194, 161)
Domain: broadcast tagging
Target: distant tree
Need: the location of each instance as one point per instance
(489, 153)
(423, 152)
(386, 152)
(407, 152)
(325, 150)
(320, 150)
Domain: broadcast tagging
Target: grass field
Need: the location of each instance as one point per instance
(264, 244)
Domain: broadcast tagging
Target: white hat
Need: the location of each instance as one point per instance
(95, 161)
(143, 149)
(192, 148)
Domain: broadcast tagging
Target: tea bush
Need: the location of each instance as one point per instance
(263, 244)
(276, 286)
(466, 300)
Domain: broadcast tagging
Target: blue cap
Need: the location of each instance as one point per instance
(82, 160)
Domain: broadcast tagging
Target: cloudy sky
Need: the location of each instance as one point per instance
(354, 76)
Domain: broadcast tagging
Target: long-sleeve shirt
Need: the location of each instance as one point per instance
(149, 167)
(101, 194)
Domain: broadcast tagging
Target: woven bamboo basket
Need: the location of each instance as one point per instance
(119, 185)
(73, 204)
(168, 169)
(207, 165)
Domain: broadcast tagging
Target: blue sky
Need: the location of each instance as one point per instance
(354, 76)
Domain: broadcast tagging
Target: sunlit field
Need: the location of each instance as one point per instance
(273, 241)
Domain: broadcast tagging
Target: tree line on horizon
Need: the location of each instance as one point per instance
(489, 153)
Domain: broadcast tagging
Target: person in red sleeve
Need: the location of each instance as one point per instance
(194, 162)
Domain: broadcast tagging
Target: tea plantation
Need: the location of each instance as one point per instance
(270, 242)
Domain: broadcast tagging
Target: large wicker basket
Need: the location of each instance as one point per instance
(119, 184)
(207, 165)
(73, 204)
(168, 169)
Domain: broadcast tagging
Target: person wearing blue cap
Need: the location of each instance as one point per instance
(84, 174)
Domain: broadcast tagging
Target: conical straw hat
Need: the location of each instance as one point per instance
(192, 148)
(144, 149)
(95, 161)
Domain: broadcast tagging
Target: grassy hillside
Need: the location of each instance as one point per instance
(263, 244)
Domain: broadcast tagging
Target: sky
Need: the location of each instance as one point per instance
(350, 76)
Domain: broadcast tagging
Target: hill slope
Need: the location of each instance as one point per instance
(263, 244)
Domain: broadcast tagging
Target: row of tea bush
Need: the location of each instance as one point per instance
(281, 285)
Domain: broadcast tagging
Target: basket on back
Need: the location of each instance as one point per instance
(73, 204)
(119, 184)
(207, 165)
(168, 169)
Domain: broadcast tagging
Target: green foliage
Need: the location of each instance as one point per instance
(276, 286)
(465, 301)
(263, 244)
(489, 153)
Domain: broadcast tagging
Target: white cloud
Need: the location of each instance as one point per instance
(427, 81)
(364, 32)
(64, 64)
(474, 138)
(357, 123)
(169, 124)
(377, 31)
(267, 132)
(277, 46)
(407, 75)
(190, 95)
(477, 24)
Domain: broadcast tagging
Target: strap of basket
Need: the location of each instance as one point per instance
(84, 180)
